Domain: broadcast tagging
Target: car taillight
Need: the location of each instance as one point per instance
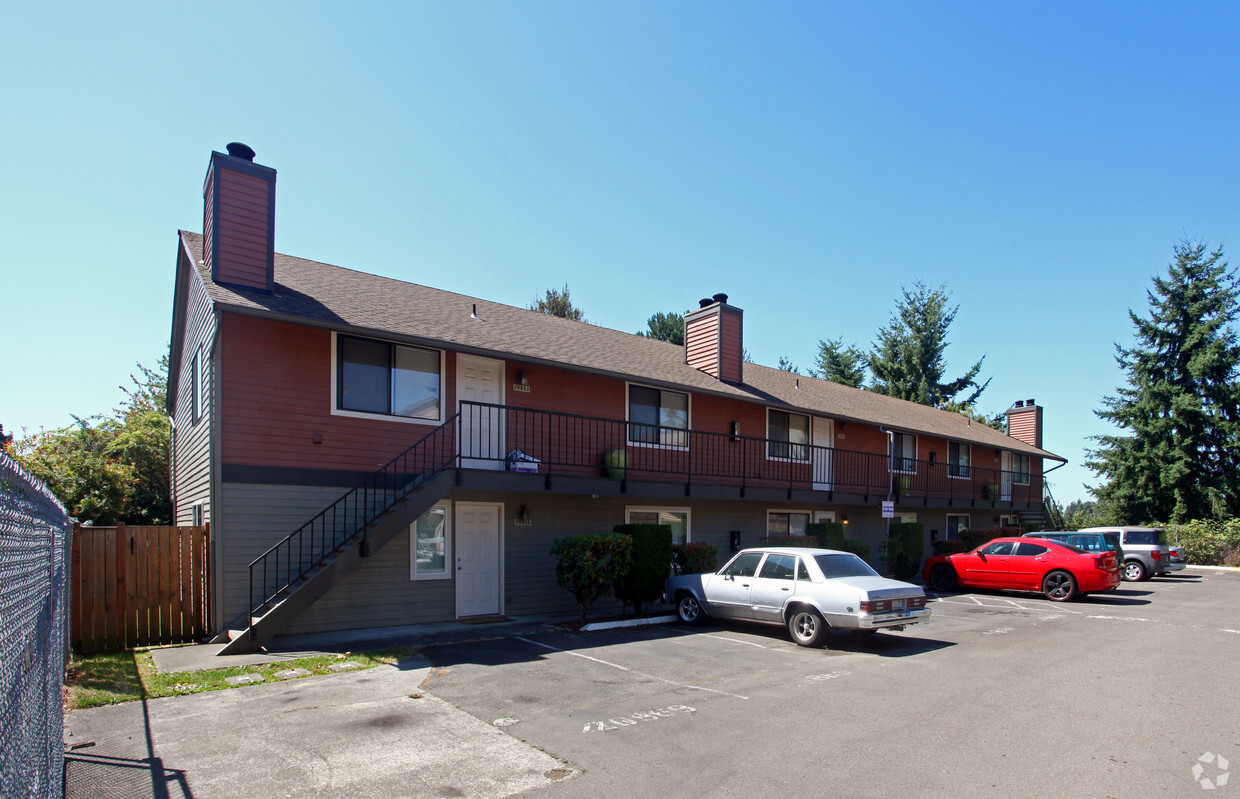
(1103, 563)
(876, 606)
(1156, 555)
(916, 602)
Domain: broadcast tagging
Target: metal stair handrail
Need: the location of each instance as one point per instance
(309, 546)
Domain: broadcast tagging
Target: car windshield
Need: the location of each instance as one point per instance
(1143, 537)
(844, 565)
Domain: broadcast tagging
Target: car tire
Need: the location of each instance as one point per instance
(1135, 572)
(1059, 586)
(689, 610)
(807, 627)
(943, 578)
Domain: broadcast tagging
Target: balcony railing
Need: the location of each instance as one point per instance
(577, 445)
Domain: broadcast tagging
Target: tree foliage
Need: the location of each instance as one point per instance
(665, 327)
(907, 359)
(1176, 456)
(110, 469)
(786, 365)
(841, 364)
(589, 565)
(558, 302)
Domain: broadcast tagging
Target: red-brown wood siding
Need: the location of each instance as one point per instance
(276, 397)
(1026, 425)
(242, 243)
(702, 343)
(730, 352)
(566, 392)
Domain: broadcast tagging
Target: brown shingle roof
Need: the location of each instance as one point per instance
(339, 298)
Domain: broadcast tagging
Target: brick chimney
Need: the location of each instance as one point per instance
(1024, 422)
(239, 216)
(713, 341)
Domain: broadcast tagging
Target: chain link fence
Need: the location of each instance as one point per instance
(35, 536)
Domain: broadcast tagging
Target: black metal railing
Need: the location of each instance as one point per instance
(307, 547)
(569, 443)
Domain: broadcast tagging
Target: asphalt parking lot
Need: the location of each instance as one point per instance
(1130, 694)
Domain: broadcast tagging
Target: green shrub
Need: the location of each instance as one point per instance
(787, 541)
(968, 540)
(696, 558)
(951, 546)
(904, 548)
(1207, 542)
(830, 535)
(589, 565)
(652, 562)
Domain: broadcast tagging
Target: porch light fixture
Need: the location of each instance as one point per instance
(736, 431)
(523, 515)
(521, 378)
(843, 518)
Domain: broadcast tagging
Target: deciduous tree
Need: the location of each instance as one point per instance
(557, 302)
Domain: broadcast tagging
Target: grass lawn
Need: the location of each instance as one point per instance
(125, 676)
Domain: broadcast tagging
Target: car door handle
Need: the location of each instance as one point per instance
(785, 589)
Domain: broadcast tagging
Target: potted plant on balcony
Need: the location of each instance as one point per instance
(615, 462)
(991, 491)
(903, 483)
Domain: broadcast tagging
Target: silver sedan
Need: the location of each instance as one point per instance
(807, 590)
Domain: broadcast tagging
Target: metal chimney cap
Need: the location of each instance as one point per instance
(720, 297)
(702, 303)
(1019, 404)
(1030, 403)
(238, 150)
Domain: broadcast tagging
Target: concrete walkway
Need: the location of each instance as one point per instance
(357, 734)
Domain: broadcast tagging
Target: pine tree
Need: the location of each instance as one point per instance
(1176, 456)
(907, 360)
(841, 364)
(558, 303)
(664, 327)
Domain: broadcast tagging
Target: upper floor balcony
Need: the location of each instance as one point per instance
(571, 448)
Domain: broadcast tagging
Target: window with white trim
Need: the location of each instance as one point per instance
(658, 417)
(195, 385)
(379, 377)
(958, 459)
(904, 453)
(787, 522)
(676, 518)
(430, 544)
(1020, 468)
(957, 523)
(787, 435)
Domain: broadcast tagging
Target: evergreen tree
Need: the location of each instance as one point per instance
(1176, 456)
(786, 365)
(557, 302)
(665, 327)
(907, 360)
(841, 364)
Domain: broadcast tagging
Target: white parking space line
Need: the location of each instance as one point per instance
(995, 602)
(746, 643)
(624, 668)
(1118, 618)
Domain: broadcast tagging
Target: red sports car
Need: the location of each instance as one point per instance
(1058, 570)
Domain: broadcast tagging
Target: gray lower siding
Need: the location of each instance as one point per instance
(381, 593)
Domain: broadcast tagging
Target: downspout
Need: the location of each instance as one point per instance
(891, 443)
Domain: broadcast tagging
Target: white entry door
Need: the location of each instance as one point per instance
(1005, 478)
(479, 564)
(823, 441)
(481, 431)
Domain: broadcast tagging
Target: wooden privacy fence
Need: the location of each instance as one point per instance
(139, 586)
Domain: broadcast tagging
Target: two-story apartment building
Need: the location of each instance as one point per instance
(371, 452)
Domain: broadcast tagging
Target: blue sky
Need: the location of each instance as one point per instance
(1039, 160)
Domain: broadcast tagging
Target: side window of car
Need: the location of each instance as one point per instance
(802, 572)
(778, 567)
(743, 565)
(1029, 549)
(998, 548)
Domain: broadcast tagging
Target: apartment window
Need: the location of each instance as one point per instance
(196, 385)
(658, 417)
(676, 518)
(1020, 468)
(781, 522)
(430, 538)
(787, 436)
(956, 524)
(390, 379)
(196, 514)
(957, 459)
(903, 452)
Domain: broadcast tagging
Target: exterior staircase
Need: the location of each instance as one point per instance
(303, 566)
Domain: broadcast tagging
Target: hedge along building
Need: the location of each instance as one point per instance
(353, 439)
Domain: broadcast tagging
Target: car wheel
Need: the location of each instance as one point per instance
(1134, 571)
(689, 610)
(807, 627)
(943, 578)
(1059, 586)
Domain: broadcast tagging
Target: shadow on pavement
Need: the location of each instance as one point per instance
(89, 776)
